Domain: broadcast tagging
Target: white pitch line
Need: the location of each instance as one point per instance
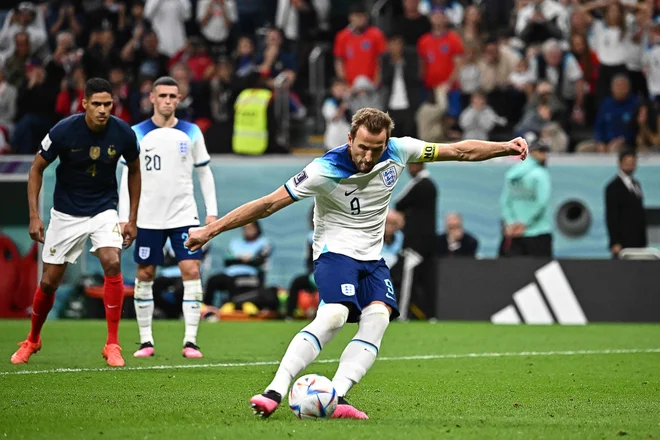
(334, 361)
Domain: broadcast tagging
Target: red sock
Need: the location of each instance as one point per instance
(113, 298)
(41, 305)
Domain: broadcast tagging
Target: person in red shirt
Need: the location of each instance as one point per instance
(438, 50)
(358, 48)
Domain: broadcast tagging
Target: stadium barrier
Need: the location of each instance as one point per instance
(539, 291)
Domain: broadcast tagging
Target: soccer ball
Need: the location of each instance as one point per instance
(313, 397)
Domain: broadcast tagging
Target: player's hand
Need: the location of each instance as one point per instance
(197, 237)
(129, 232)
(210, 219)
(517, 147)
(37, 229)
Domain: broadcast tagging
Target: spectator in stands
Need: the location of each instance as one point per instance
(613, 129)
(71, 94)
(250, 16)
(358, 48)
(393, 240)
(478, 119)
(134, 23)
(143, 53)
(472, 32)
(638, 41)
(561, 69)
(194, 55)
(168, 19)
(522, 79)
(496, 65)
(438, 51)
(453, 10)
(651, 64)
(25, 18)
(411, 25)
(402, 87)
(588, 61)
(540, 21)
(525, 206)
(223, 93)
(647, 128)
(191, 105)
(497, 13)
(363, 94)
(141, 107)
(8, 96)
(417, 202)
(297, 19)
(120, 94)
(610, 44)
(36, 106)
(64, 16)
(245, 62)
(66, 53)
(15, 63)
(276, 59)
(245, 264)
(101, 54)
(543, 108)
(469, 75)
(624, 207)
(216, 19)
(337, 115)
(455, 242)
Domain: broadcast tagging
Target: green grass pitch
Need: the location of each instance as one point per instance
(448, 380)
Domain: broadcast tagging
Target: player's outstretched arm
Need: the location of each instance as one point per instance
(134, 187)
(240, 216)
(475, 151)
(35, 180)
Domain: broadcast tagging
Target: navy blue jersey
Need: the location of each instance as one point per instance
(86, 182)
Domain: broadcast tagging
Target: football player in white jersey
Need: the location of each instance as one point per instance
(352, 186)
(171, 149)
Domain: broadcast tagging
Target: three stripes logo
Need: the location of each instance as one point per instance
(531, 308)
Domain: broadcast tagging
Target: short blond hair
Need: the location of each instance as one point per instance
(374, 120)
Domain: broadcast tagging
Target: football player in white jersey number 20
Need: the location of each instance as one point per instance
(170, 150)
(352, 186)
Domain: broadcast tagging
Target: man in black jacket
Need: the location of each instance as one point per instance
(418, 204)
(624, 207)
(455, 242)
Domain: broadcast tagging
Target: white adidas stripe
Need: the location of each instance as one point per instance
(334, 361)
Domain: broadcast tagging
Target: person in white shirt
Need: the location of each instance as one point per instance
(334, 110)
(216, 18)
(168, 18)
(651, 64)
(170, 150)
(550, 10)
(352, 186)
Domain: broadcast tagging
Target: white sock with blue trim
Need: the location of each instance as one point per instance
(143, 301)
(360, 354)
(307, 345)
(192, 302)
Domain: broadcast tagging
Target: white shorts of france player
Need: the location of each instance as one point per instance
(67, 234)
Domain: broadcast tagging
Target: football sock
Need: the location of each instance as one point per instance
(41, 305)
(113, 298)
(307, 345)
(192, 302)
(361, 352)
(143, 300)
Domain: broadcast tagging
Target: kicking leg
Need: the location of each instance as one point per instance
(43, 301)
(360, 355)
(302, 351)
(192, 302)
(143, 301)
(113, 298)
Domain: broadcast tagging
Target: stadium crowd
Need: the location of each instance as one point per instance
(581, 75)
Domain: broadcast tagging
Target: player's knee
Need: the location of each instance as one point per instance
(190, 273)
(49, 285)
(111, 265)
(373, 322)
(146, 273)
(332, 316)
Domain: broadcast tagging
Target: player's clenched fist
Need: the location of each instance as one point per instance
(129, 232)
(197, 237)
(518, 146)
(37, 229)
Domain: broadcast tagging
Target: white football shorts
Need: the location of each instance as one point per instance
(67, 234)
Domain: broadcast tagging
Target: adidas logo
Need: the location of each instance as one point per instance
(530, 307)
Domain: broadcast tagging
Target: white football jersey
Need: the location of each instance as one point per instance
(167, 158)
(350, 207)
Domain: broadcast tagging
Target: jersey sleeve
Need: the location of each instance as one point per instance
(50, 147)
(132, 150)
(199, 151)
(408, 150)
(314, 180)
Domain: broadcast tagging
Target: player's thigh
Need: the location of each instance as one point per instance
(65, 238)
(336, 277)
(105, 232)
(178, 238)
(378, 286)
(149, 247)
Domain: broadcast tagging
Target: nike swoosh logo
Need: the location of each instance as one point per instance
(149, 149)
(113, 307)
(74, 151)
(143, 307)
(347, 193)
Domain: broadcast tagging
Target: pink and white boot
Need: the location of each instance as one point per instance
(265, 404)
(191, 351)
(146, 350)
(347, 411)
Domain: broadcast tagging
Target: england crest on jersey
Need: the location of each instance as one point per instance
(389, 176)
(183, 148)
(144, 252)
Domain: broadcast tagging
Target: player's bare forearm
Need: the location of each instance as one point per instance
(475, 151)
(134, 188)
(35, 180)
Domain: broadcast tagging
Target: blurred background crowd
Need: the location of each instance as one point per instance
(581, 75)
